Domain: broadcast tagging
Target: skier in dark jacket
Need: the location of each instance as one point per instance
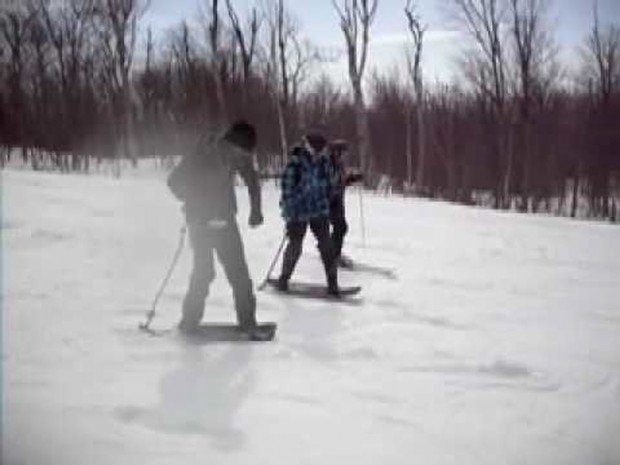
(340, 180)
(204, 181)
(306, 190)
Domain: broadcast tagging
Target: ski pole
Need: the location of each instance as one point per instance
(151, 314)
(362, 222)
(273, 263)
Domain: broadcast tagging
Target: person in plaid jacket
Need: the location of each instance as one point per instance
(306, 190)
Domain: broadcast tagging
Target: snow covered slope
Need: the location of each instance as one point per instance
(497, 340)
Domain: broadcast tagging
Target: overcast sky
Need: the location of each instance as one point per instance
(571, 20)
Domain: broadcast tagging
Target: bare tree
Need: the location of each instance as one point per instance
(214, 32)
(42, 86)
(118, 21)
(603, 58)
(69, 25)
(482, 20)
(414, 61)
(445, 110)
(602, 63)
(282, 29)
(536, 68)
(288, 64)
(356, 18)
(322, 102)
(246, 38)
(182, 48)
(14, 28)
(387, 107)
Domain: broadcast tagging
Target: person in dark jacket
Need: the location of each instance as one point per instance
(306, 190)
(340, 179)
(204, 182)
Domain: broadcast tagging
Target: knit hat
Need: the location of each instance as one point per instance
(316, 140)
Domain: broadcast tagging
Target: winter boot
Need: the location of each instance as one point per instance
(257, 332)
(188, 327)
(345, 262)
(332, 287)
(282, 284)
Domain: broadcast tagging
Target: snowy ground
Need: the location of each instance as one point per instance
(498, 343)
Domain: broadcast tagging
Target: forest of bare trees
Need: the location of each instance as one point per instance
(81, 82)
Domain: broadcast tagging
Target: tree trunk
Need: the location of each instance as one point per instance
(573, 212)
(362, 128)
(408, 146)
(219, 93)
(421, 166)
(526, 171)
(283, 129)
(452, 179)
(606, 194)
(507, 148)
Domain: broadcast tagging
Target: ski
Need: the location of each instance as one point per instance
(354, 266)
(220, 332)
(312, 290)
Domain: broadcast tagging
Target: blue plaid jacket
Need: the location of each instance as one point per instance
(306, 187)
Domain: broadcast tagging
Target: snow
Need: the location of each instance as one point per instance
(498, 341)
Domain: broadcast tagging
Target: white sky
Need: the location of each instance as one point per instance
(571, 20)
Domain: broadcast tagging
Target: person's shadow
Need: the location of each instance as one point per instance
(202, 395)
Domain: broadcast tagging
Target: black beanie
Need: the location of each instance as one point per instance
(242, 134)
(316, 140)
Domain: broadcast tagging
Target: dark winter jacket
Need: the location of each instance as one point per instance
(306, 187)
(204, 181)
(339, 178)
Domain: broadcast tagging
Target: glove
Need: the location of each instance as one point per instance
(256, 219)
(352, 178)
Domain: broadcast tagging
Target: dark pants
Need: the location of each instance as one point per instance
(226, 243)
(296, 231)
(339, 224)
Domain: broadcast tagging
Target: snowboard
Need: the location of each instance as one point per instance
(220, 332)
(312, 290)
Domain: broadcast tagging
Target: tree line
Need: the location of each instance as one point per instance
(79, 83)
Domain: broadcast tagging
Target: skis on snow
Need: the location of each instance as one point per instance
(313, 290)
(346, 264)
(220, 332)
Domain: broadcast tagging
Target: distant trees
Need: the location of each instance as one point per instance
(65, 28)
(535, 70)
(356, 18)
(79, 82)
(286, 68)
(15, 28)
(117, 22)
(69, 71)
(486, 68)
(601, 60)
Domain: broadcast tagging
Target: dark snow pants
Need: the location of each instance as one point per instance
(339, 224)
(227, 244)
(296, 231)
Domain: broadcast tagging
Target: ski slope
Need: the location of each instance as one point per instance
(497, 340)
